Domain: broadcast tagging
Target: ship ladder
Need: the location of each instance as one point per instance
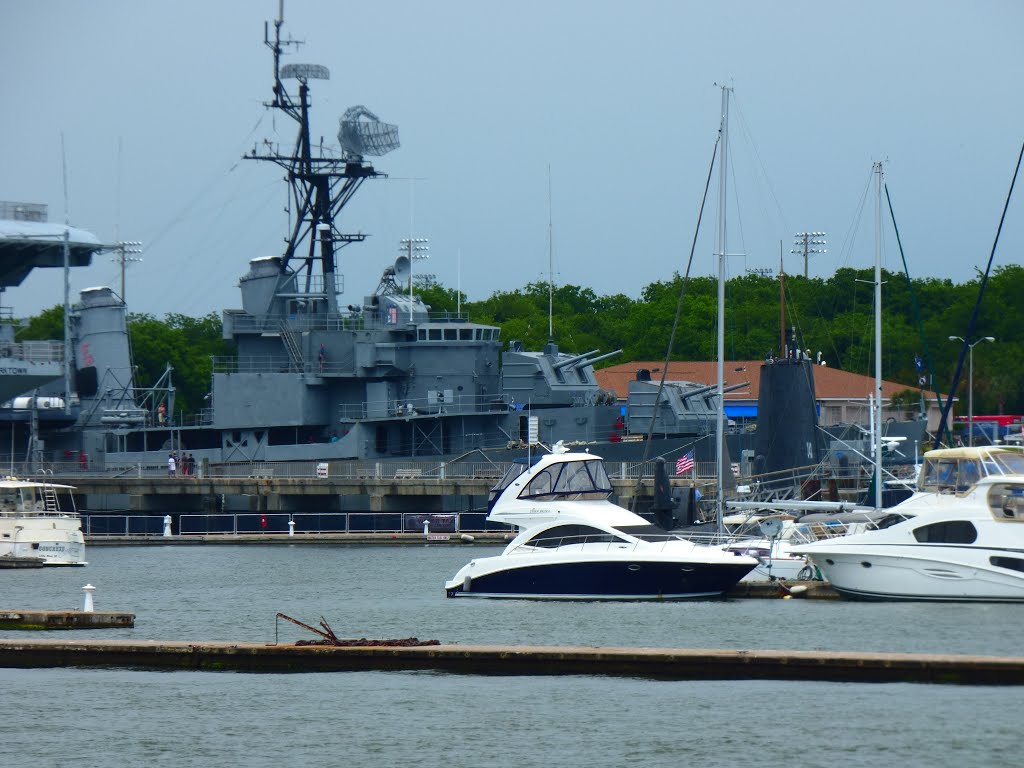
(50, 500)
(291, 343)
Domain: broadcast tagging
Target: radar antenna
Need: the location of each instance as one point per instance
(320, 184)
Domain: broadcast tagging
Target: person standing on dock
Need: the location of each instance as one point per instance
(172, 465)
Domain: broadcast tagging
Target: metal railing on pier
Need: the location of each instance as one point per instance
(298, 523)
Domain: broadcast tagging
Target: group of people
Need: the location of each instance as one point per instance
(185, 466)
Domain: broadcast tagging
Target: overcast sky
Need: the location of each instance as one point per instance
(618, 98)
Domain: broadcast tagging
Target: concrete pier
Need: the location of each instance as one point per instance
(654, 663)
(64, 619)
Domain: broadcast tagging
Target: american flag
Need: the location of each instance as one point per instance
(685, 463)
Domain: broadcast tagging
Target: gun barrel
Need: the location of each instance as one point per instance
(592, 360)
(574, 359)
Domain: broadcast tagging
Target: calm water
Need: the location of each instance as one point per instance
(130, 718)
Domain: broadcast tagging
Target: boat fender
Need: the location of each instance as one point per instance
(469, 539)
(796, 589)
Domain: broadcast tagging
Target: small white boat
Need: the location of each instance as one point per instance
(960, 537)
(39, 520)
(574, 544)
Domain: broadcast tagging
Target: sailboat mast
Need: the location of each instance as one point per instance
(551, 266)
(878, 338)
(722, 251)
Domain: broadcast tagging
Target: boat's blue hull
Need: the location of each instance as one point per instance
(597, 580)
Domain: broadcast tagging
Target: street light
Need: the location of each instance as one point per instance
(970, 382)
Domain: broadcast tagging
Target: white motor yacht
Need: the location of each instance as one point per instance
(959, 537)
(574, 544)
(39, 520)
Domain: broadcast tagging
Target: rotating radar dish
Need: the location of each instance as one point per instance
(362, 133)
(305, 72)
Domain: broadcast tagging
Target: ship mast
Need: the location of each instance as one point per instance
(722, 253)
(320, 186)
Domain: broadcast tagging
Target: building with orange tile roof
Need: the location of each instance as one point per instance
(842, 396)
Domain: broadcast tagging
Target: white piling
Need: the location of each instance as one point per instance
(88, 606)
(167, 525)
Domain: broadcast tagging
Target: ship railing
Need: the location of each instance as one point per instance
(432, 406)
(33, 351)
(431, 526)
(243, 322)
(401, 470)
(610, 542)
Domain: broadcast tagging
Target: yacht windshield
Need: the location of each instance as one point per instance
(586, 479)
(515, 470)
(1007, 463)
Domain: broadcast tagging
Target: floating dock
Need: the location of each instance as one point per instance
(654, 663)
(65, 620)
(21, 562)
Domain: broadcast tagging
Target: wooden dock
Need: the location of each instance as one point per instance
(654, 663)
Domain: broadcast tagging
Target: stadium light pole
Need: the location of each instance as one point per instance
(970, 382)
(806, 244)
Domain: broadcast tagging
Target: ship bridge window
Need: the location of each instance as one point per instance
(563, 535)
(950, 532)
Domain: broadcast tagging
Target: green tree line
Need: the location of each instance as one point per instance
(833, 316)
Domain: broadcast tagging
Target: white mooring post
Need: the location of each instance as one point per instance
(426, 527)
(88, 606)
(291, 527)
(167, 525)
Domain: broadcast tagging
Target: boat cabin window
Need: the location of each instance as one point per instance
(1006, 501)
(563, 535)
(1013, 563)
(949, 532)
(465, 334)
(572, 480)
(11, 501)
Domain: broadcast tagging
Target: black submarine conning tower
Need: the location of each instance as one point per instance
(320, 184)
(787, 434)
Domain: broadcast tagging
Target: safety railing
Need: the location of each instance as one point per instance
(296, 523)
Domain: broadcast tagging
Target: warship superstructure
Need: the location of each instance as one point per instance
(317, 379)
